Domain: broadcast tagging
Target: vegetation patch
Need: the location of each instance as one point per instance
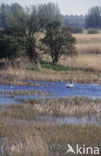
(56, 67)
(60, 107)
(73, 106)
(25, 92)
(18, 138)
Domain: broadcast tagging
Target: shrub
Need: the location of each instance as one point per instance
(77, 30)
(93, 31)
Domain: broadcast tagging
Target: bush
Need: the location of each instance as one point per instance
(77, 30)
(93, 31)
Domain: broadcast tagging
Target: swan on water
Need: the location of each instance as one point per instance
(69, 85)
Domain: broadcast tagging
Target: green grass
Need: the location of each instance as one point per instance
(56, 67)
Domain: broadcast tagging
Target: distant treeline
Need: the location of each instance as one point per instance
(74, 20)
(9, 15)
(93, 18)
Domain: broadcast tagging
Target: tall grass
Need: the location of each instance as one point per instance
(77, 106)
(19, 76)
(88, 37)
(19, 139)
(90, 62)
(88, 43)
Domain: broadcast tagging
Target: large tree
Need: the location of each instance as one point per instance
(59, 41)
(93, 18)
(39, 18)
(29, 23)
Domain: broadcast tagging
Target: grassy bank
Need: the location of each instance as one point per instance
(54, 67)
(15, 76)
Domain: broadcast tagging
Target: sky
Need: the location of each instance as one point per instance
(67, 7)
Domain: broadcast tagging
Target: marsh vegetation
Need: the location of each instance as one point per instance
(37, 56)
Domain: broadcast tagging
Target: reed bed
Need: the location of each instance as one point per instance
(20, 76)
(89, 49)
(87, 36)
(26, 92)
(77, 106)
(88, 43)
(20, 139)
(90, 62)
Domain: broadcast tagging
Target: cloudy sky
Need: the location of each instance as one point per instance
(66, 6)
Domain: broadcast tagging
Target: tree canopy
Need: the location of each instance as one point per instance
(11, 15)
(93, 18)
(14, 14)
(59, 40)
(19, 28)
(11, 43)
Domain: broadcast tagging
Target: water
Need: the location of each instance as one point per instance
(54, 89)
(92, 119)
(71, 120)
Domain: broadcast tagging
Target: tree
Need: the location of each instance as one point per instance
(39, 18)
(11, 43)
(93, 18)
(3, 16)
(33, 25)
(59, 41)
(50, 12)
(11, 15)
(27, 24)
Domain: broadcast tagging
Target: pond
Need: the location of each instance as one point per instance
(53, 89)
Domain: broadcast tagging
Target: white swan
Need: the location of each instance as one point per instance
(69, 85)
